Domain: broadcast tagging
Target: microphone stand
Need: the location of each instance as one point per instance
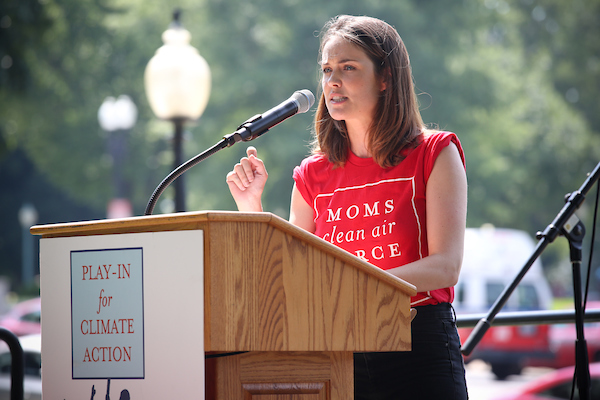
(567, 224)
(582, 366)
(243, 133)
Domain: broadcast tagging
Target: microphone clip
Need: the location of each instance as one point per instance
(243, 132)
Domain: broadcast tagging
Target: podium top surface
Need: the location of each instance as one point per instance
(203, 220)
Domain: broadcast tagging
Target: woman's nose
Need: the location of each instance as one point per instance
(333, 79)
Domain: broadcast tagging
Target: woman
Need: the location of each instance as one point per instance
(383, 187)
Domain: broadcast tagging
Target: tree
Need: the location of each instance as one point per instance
(494, 72)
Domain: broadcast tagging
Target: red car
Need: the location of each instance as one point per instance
(562, 343)
(508, 348)
(556, 385)
(24, 318)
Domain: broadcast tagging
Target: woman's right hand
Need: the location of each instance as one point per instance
(247, 181)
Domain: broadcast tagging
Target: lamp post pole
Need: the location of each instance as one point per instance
(179, 184)
(28, 216)
(177, 81)
(116, 117)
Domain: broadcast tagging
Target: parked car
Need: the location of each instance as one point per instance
(32, 380)
(492, 258)
(556, 385)
(24, 318)
(562, 343)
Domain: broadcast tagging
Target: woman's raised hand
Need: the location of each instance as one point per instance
(247, 181)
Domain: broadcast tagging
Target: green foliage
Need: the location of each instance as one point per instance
(21, 21)
(515, 80)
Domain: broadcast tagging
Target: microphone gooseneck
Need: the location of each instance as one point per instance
(300, 102)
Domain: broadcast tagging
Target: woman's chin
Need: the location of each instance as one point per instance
(336, 115)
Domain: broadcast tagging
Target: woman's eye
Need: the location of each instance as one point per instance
(348, 67)
(326, 70)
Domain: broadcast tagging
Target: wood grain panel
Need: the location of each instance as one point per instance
(285, 375)
(271, 296)
(285, 391)
(270, 291)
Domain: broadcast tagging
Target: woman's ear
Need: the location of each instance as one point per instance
(385, 77)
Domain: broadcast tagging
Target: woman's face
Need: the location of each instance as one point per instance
(350, 84)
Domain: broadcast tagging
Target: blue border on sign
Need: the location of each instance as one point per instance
(142, 310)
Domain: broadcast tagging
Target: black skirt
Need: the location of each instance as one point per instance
(434, 369)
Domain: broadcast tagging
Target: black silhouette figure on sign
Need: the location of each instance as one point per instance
(124, 393)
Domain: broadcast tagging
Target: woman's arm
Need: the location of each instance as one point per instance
(446, 197)
(301, 213)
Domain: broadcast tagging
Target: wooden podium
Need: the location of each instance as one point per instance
(284, 310)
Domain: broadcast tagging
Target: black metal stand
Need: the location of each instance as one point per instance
(568, 224)
(574, 232)
(17, 368)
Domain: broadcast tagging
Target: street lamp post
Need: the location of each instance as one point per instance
(28, 216)
(177, 81)
(116, 117)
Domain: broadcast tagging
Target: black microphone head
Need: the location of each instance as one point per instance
(305, 99)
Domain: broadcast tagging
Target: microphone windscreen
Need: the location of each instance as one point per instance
(305, 100)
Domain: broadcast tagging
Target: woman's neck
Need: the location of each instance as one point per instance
(358, 141)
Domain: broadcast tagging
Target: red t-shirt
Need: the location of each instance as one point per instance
(377, 214)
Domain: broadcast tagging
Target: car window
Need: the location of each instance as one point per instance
(5, 362)
(563, 391)
(33, 363)
(460, 294)
(494, 290)
(560, 391)
(32, 317)
(528, 297)
(525, 297)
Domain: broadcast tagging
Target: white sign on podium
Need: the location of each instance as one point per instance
(123, 316)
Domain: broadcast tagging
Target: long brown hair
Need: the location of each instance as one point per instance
(397, 124)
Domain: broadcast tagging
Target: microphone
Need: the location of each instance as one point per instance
(299, 102)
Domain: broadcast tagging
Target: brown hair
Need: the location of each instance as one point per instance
(397, 124)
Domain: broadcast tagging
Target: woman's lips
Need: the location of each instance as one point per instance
(337, 99)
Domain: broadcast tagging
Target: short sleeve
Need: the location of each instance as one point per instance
(304, 174)
(435, 144)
